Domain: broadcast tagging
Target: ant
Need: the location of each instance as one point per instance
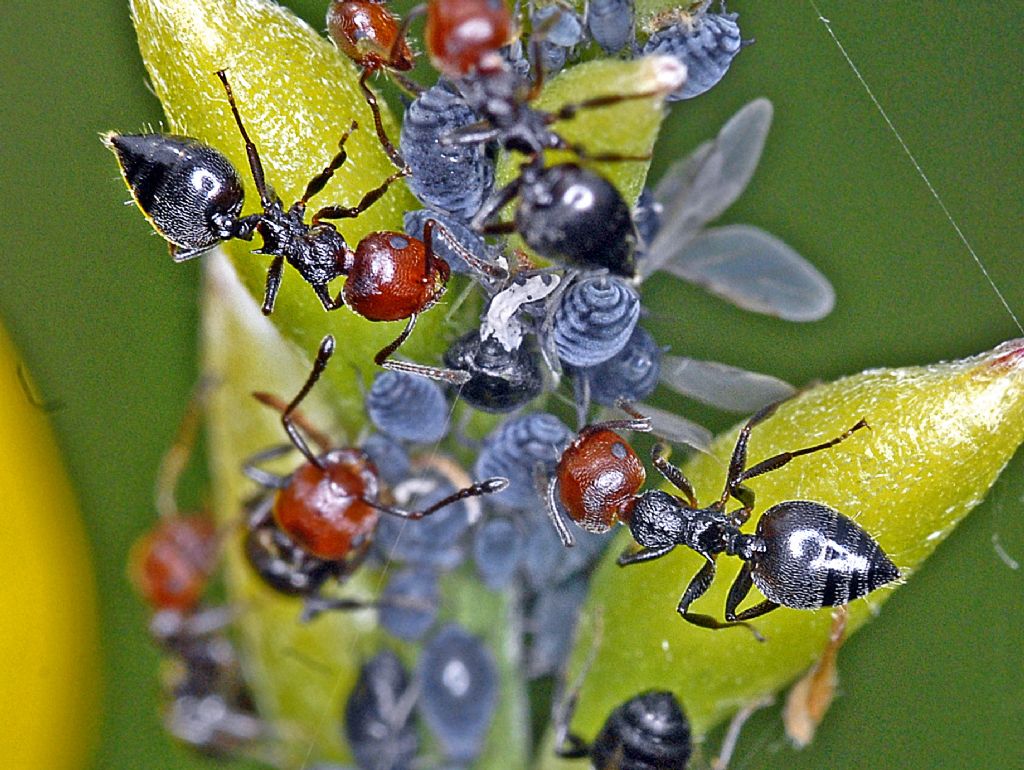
(804, 555)
(192, 196)
(374, 38)
(322, 516)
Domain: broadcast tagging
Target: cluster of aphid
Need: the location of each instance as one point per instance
(575, 322)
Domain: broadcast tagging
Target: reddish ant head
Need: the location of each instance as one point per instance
(328, 509)
(460, 34)
(369, 34)
(392, 276)
(171, 565)
(598, 477)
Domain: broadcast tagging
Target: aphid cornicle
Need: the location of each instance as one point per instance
(649, 731)
(193, 197)
(803, 555)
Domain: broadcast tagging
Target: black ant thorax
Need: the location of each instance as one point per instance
(661, 520)
(317, 251)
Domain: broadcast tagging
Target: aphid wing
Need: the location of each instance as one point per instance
(755, 271)
(699, 188)
(723, 386)
(676, 429)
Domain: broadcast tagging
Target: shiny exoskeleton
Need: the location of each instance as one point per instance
(568, 214)
(328, 507)
(462, 35)
(647, 732)
(193, 197)
(373, 37)
(171, 565)
(803, 555)
(499, 380)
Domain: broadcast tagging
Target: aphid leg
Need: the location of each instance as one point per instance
(659, 457)
(317, 183)
(323, 355)
(374, 195)
(255, 164)
(552, 505)
(263, 477)
(628, 557)
(378, 123)
(777, 461)
(274, 274)
(383, 359)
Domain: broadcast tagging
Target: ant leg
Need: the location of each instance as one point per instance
(383, 359)
(329, 302)
(480, 132)
(495, 203)
(640, 421)
(628, 557)
(176, 458)
(568, 111)
(697, 588)
(265, 478)
(274, 275)
(323, 355)
(255, 164)
(776, 462)
(487, 487)
(552, 507)
(317, 183)
(738, 461)
(374, 195)
(659, 457)
(488, 269)
(601, 157)
(378, 123)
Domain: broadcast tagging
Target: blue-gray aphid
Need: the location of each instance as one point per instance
(409, 603)
(595, 320)
(631, 374)
(611, 23)
(407, 407)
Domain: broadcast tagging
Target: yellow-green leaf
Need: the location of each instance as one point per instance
(939, 437)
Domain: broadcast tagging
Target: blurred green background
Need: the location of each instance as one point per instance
(107, 323)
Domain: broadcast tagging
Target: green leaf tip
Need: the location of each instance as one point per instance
(940, 435)
(296, 94)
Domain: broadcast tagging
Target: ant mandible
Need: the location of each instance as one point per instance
(328, 507)
(803, 555)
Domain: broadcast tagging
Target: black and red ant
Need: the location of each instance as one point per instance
(374, 38)
(803, 555)
(322, 516)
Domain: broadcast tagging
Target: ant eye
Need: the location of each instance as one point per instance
(707, 46)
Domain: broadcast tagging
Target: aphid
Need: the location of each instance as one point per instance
(706, 43)
(553, 625)
(380, 724)
(192, 196)
(463, 36)
(647, 218)
(452, 178)
(500, 380)
(458, 682)
(611, 23)
(631, 375)
(742, 264)
(409, 603)
(649, 731)
(566, 213)
(329, 506)
(519, 449)
(407, 408)
(388, 456)
(497, 550)
(594, 320)
(558, 29)
(804, 555)
(373, 37)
